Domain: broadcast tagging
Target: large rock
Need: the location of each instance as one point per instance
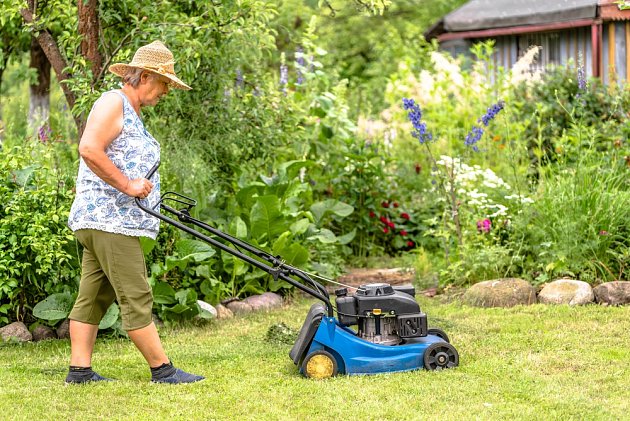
(566, 291)
(208, 307)
(266, 301)
(507, 292)
(41, 333)
(613, 293)
(223, 312)
(16, 331)
(239, 307)
(63, 331)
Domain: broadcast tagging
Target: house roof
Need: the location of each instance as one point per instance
(487, 14)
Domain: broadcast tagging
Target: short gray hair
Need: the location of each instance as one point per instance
(132, 76)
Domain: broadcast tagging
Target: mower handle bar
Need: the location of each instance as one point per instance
(279, 269)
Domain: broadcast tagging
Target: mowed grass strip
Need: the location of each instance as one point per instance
(535, 362)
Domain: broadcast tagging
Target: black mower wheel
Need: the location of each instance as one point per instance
(440, 355)
(439, 333)
(319, 365)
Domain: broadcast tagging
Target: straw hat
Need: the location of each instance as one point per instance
(155, 57)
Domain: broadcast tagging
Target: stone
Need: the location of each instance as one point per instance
(208, 307)
(223, 312)
(159, 324)
(566, 291)
(613, 293)
(507, 292)
(41, 333)
(265, 301)
(239, 307)
(16, 331)
(63, 331)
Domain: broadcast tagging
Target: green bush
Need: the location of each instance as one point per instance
(37, 250)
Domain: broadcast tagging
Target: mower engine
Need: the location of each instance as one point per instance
(384, 314)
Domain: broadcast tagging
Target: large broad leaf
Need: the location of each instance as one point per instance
(346, 238)
(110, 317)
(266, 219)
(290, 169)
(186, 296)
(321, 209)
(238, 228)
(295, 255)
(300, 226)
(24, 176)
(194, 250)
(54, 307)
(281, 243)
(324, 236)
(163, 293)
(147, 245)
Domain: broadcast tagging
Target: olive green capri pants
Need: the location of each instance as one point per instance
(113, 267)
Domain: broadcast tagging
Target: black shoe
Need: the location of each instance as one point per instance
(92, 376)
(174, 375)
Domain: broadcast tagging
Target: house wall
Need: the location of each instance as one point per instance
(615, 39)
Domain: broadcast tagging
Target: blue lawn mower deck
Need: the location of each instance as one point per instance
(391, 331)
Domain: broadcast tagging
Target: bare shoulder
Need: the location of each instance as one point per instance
(105, 121)
(108, 106)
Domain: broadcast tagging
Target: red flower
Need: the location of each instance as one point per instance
(383, 219)
(390, 224)
(405, 215)
(403, 233)
(395, 204)
(418, 168)
(385, 204)
(372, 214)
(385, 230)
(410, 243)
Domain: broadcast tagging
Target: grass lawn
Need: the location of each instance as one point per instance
(536, 362)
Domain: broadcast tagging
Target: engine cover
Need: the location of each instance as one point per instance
(384, 314)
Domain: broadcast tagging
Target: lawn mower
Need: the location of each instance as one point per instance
(391, 331)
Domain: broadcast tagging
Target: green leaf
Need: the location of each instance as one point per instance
(321, 209)
(55, 307)
(194, 250)
(110, 317)
(163, 293)
(324, 236)
(266, 219)
(346, 238)
(300, 227)
(238, 228)
(147, 245)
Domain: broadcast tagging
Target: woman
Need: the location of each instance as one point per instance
(116, 152)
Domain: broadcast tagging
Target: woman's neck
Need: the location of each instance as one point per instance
(132, 96)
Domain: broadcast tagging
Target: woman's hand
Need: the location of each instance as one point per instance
(139, 187)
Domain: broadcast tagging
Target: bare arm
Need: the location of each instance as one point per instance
(103, 126)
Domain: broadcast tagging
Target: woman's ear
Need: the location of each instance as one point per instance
(144, 77)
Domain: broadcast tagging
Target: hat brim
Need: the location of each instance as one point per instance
(121, 69)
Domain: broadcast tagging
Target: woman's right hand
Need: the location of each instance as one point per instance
(139, 187)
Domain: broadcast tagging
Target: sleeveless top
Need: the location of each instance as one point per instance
(99, 206)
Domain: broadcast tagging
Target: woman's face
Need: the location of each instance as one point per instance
(154, 87)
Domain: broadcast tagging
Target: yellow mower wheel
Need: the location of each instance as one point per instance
(319, 365)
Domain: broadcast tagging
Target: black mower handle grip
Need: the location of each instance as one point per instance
(152, 170)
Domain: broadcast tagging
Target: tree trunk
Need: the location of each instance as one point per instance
(59, 64)
(89, 29)
(39, 108)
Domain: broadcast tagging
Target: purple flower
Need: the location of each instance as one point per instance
(491, 113)
(415, 116)
(581, 74)
(477, 131)
(284, 77)
(44, 133)
(300, 62)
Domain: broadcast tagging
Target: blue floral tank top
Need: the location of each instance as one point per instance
(98, 205)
